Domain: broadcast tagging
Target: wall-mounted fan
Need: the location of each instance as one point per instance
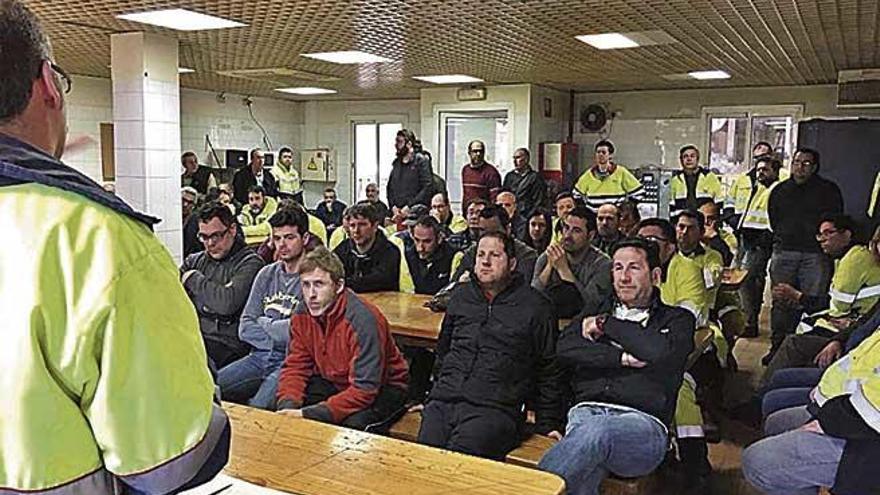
(593, 118)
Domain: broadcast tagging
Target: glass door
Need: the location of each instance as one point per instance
(374, 153)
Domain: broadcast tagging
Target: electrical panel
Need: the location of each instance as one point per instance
(318, 165)
(655, 191)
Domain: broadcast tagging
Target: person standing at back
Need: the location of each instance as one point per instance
(106, 387)
(411, 181)
(693, 185)
(527, 185)
(795, 207)
(289, 183)
(606, 181)
(253, 174)
(479, 179)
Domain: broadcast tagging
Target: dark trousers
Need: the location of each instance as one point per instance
(389, 405)
(475, 430)
(808, 272)
(754, 259)
(222, 354)
(796, 351)
(421, 365)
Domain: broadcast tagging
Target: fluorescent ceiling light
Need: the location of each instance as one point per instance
(607, 41)
(306, 91)
(185, 70)
(180, 19)
(449, 79)
(709, 74)
(348, 57)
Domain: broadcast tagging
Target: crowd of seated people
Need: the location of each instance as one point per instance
(632, 294)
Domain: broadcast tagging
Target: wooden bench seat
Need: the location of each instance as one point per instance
(529, 453)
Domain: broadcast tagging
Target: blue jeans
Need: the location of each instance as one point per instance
(601, 440)
(808, 272)
(794, 462)
(789, 387)
(248, 377)
(751, 292)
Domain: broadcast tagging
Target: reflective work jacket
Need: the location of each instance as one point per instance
(708, 188)
(615, 187)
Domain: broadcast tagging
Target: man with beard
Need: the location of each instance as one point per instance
(411, 180)
(575, 275)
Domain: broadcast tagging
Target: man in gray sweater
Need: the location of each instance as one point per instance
(218, 281)
(265, 322)
(573, 274)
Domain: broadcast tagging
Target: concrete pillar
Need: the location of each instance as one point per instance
(146, 119)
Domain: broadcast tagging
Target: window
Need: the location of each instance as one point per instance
(374, 153)
(733, 131)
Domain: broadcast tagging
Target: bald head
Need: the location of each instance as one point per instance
(507, 200)
(607, 220)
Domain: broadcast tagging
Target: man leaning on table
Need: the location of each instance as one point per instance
(342, 366)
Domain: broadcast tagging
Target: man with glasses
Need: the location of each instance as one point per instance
(573, 274)
(795, 207)
(479, 179)
(218, 281)
(104, 377)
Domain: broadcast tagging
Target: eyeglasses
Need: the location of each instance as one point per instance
(66, 82)
(212, 238)
(654, 238)
(826, 234)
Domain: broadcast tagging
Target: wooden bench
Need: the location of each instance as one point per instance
(529, 453)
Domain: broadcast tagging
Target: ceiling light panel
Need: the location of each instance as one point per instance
(180, 19)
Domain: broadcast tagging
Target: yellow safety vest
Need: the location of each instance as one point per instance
(615, 187)
(256, 228)
(708, 188)
(691, 283)
(288, 179)
(102, 365)
(858, 375)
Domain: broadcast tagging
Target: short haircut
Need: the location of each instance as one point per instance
(506, 240)
(365, 210)
(687, 147)
(444, 195)
(24, 48)
(525, 151)
(216, 209)
(494, 211)
(587, 214)
(329, 189)
(284, 149)
(253, 152)
(476, 201)
(812, 152)
(762, 143)
(346, 213)
(629, 207)
(650, 248)
(697, 216)
(474, 142)
(323, 259)
(291, 217)
(563, 195)
(775, 163)
(188, 154)
(429, 222)
(606, 143)
(663, 224)
(840, 222)
(257, 189)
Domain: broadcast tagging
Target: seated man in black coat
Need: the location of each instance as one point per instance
(496, 351)
(371, 261)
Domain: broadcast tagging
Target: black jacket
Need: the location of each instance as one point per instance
(375, 271)
(431, 275)
(244, 180)
(529, 188)
(332, 217)
(500, 354)
(410, 183)
(219, 290)
(596, 374)
(526, 258)
(795, 210)
(198, 180)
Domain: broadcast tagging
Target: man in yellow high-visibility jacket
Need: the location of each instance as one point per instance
(105, 382)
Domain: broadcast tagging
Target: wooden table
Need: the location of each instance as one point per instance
(732, 278)
(311, 458)
(410, 321)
